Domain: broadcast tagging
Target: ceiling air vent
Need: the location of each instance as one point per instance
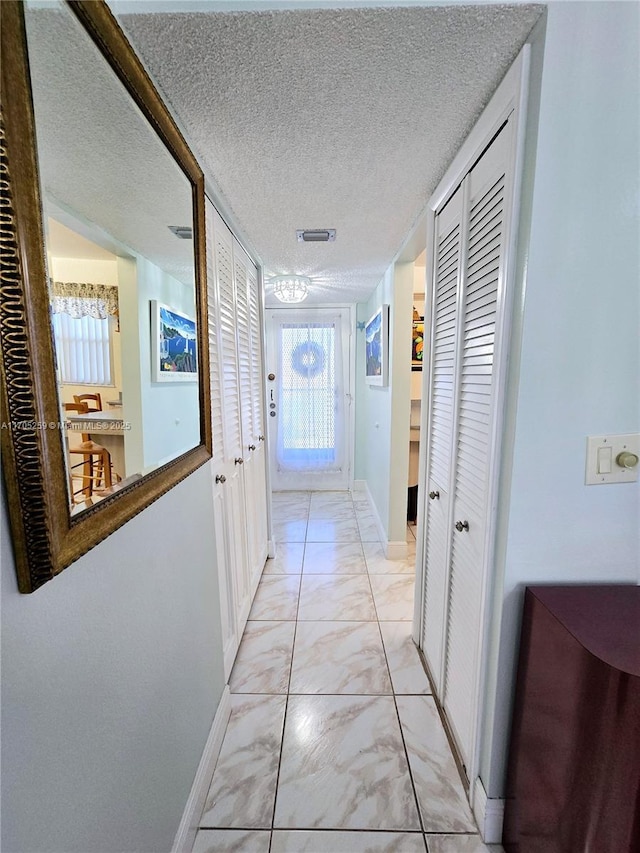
(317, 235)
(184, 232)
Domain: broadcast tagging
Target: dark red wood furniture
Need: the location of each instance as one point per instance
(574, 763)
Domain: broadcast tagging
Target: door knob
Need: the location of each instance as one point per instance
(260, 438)
(239, 460)
(220, 478)
(434, 495)
(462, 525)
(252, 447)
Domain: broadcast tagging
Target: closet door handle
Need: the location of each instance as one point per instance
(434, 495)
(239, 460)
(462, 525)
(252, 447)
(260, 438)
(220, 478)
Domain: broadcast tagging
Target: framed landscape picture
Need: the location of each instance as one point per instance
(174, 356)
(417, 344)
(377, 347)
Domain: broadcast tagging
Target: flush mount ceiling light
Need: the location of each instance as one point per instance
(316, 235)
(290, 288)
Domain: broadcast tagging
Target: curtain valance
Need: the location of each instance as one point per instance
(84, 300)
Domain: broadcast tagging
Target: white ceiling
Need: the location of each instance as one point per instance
(339, 118)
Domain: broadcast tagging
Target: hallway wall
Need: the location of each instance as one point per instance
(373, 412)
(382, 413)
(112, 674)
(580, 361)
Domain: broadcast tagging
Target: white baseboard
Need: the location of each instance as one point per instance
(488, 813)
(393, 550)
(271, 548)
(396, 550)
(382, 533)
(186, 834)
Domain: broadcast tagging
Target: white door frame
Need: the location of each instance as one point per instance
(511, 97)
(350, 372)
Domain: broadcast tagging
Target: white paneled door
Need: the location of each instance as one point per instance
(309, 399)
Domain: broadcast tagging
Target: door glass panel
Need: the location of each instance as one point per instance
(310, 395)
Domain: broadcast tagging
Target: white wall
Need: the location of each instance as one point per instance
(382, 413)
(580, 365)
(401, 376)
(111, 676)
(170, 411)
(373, 412)
(131, 359)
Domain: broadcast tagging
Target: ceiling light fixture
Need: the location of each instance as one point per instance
(290, 288)
(317, 235)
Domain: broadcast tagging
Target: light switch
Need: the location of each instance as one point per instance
(609, 459)
(605, 457)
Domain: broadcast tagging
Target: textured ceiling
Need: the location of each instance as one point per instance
(329, 118)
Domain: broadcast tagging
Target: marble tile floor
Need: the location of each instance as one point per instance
(334, 744)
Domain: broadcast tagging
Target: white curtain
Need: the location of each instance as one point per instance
(80, 317)
(82, 349)
(310, 395)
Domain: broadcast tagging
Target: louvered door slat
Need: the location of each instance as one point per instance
(228, 350)
(240, 264)
(256, 352)
(217, 414)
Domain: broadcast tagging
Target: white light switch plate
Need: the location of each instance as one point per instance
(598, 451)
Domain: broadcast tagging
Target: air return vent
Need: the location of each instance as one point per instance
(184, 232)
(317, 235)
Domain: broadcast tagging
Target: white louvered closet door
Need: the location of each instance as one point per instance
(250, 376)
(231, 467)
(480, 306)
(259, 455)
(221, 516)
(443, 337)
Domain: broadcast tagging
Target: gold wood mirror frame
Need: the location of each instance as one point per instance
(46, 537)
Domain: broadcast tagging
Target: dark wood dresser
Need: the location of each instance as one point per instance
(574, 763)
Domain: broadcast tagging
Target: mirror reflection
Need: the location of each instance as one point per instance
(118, 225)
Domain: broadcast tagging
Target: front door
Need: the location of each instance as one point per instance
(308, 400)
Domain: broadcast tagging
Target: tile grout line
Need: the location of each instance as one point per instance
(395, 705)
(286, 705)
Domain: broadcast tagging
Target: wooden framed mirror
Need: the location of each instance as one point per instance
(103, 311)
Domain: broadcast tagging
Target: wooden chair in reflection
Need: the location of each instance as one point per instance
(94, 469)
(93, 401)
